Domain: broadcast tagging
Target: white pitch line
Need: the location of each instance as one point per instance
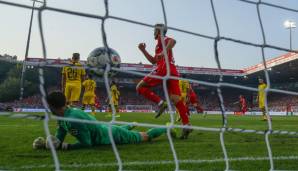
(164, 162)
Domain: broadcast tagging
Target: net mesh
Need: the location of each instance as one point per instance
(221, 83)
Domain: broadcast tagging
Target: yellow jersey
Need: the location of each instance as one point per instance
(114, 92)
(73, 74)
(184, 86)
(261, 93)
(89, 86)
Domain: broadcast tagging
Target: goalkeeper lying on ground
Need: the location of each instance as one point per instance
(88, 135)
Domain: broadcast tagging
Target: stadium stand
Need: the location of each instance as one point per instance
(282, 73)
(209, 101)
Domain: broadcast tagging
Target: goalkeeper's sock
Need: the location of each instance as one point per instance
(155, 132)
(147, 93)
(183, 112)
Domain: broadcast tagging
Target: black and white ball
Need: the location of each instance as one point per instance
(100, 57)
(39, 143)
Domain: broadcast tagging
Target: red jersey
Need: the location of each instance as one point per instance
(243, 106)
(242, 101)
(289, 108)
(161, 63)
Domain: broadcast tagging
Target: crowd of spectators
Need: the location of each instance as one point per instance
(208, 100)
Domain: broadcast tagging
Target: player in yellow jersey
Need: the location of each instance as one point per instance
(189, 96)
(184, 86)
(261, 97)
(115, 93)
(89, 87)
(72, 77)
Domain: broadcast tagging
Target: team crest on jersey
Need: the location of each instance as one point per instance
(74, 132)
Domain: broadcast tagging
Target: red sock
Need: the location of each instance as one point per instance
(147, 93)
(183, 112)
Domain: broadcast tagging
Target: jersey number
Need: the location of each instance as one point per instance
(72, 73)
(89, 87)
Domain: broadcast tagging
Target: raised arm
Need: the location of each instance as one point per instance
(150, 58)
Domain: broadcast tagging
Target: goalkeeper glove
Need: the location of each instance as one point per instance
(56, 143)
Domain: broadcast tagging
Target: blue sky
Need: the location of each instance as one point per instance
(66, 34)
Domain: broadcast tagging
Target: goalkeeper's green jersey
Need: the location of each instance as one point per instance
(89, 135)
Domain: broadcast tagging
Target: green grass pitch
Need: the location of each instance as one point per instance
(202, 151)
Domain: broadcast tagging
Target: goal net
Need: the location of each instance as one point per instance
(218, 85)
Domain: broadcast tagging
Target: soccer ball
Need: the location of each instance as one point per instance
(39, 143)
(56, 142)
(100, 57)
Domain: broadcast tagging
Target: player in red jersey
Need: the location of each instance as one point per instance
(194, 100)
(148, 82)
(243, 105)
(289, 109)
(97, 103)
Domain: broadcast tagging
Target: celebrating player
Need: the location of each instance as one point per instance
(261, 97)
(72, 77)
(148, 82)
(89, 135)
(89, 86)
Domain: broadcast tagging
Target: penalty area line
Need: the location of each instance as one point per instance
(163, 162)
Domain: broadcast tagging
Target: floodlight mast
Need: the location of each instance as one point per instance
(289, 24)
